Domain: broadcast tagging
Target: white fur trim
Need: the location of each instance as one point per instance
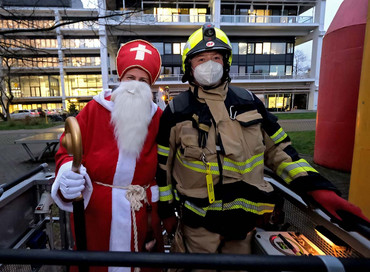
(86, 193)
(155, 193)
(100, 98)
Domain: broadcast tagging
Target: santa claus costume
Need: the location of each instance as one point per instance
(118, 132)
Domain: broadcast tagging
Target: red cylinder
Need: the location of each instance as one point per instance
(339, 86)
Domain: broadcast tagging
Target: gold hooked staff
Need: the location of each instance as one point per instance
(72, 141)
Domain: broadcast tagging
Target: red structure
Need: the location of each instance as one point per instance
(339, 86)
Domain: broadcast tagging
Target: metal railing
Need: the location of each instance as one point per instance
(254, 76)
(139, 18)
(252, 19)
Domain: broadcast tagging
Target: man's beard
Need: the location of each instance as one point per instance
(131, 115)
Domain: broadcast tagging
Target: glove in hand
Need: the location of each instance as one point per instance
(334, 204)
(170, 224)
(72, 184)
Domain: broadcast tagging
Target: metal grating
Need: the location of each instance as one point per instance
(302, 223)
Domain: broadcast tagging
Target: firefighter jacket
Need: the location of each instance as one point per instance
(212, 149)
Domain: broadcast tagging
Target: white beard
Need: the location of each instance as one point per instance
(131, 115)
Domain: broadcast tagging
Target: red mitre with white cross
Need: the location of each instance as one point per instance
(139, 54)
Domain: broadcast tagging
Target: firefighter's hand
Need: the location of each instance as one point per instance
(335, 205)
(170, 224)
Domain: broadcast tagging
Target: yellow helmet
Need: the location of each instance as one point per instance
(206, 38)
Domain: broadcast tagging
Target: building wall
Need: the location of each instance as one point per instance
(74, 62)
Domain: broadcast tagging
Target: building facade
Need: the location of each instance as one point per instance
(64, 54)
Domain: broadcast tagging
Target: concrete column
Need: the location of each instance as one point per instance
(103, 44)
(216, 12)
(60, 59)
(317, 39)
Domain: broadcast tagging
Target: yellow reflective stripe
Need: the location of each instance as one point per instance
(243, 167)
(279, 136)
(163, 150)
(287, 170)
(249, 206)
(239, 203)
(197, 166)
(165, 193)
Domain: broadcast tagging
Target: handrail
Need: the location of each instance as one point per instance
(7, 186)
(180, 260)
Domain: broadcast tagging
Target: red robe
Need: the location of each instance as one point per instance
(108, 216)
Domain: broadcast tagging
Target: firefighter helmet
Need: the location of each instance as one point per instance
(206, 38)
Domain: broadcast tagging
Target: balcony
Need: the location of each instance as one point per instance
(254, 19)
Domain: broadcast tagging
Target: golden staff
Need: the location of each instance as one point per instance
(72, 142)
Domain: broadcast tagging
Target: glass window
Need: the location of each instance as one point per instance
(266, 48)
(277, 48)
(241, 70)
(235, 48)
(289, 70)
(159, 46)
(290, 48)
(277, 70)
(176, 70)
(176, 47)
(250, 48)
(167, 70)
(258, 48)
(261, 69)
(234, 69)
(242, 48)
(250, 69)
(168, 48)
(182, 47)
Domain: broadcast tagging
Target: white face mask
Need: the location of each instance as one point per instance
(208, 73)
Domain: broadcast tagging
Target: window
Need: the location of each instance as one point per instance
(250, 48)
(290, 48)
(235, 48)
(261, 69)
(289, 69)
(234, 69)
(258, 48)
(176, 70)
(159, 46)
(167, 70)
(266, 48)
(242, 48)
(250, 69)
(277, 70)
(176, 47)
(168, 48)
(241, 70)
(277, 48)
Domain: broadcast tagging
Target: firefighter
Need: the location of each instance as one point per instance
(213, 143)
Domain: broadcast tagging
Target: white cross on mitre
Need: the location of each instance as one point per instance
(140, 51)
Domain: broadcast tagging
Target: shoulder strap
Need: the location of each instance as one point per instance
(180, 102)
(241, 93)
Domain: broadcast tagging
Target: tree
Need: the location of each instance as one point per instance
(300, 66)
(15, 50)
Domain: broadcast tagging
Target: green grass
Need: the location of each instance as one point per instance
(29, 123)
(298, 115)
(303, 141)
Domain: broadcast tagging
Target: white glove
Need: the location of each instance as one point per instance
(72, 184)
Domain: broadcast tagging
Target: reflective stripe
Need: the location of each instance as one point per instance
(243, 167)
(287, 170)
(163, 150)
(249, 206)
(165, 193)
(279, 136)
(239, 203)
(197, 166)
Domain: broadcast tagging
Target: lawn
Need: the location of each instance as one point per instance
(29, 123)
(303, 141)
(298, 115)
